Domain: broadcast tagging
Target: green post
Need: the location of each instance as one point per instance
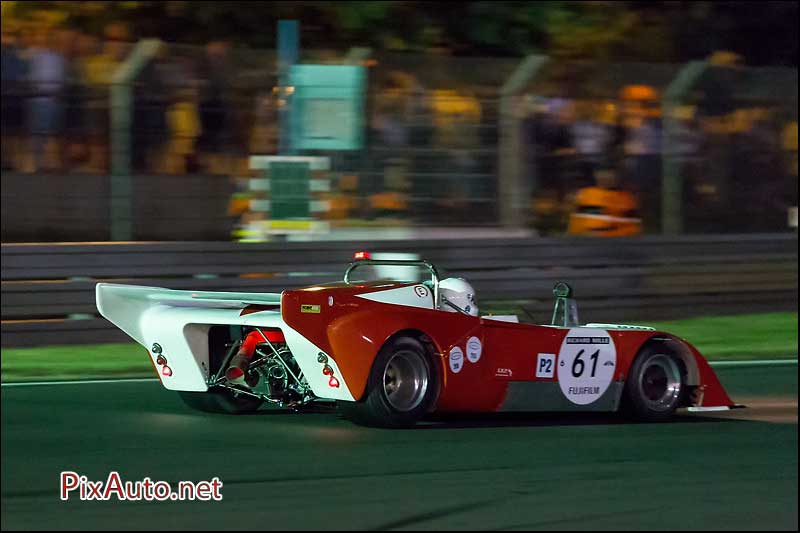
(288, 55)
(120, 128)
(514, 193)
(672, 180)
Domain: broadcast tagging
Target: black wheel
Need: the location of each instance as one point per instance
(655, 386)
(220, 402)
(400, 388)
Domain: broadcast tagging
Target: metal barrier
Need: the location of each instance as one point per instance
(48, 290)
(76, 207)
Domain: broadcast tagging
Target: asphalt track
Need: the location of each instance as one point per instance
(280, 471)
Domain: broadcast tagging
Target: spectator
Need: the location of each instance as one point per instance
(75, 130)
(762, 202)
(184, 127)
(684, 148)
(457, 114)
(591, 139)
(48, 77)
(215, 115)
(148, 121)
(555, 144)
(643, 151)
(419, 117)
(789, 145)
(264, 131)
(14, 74)
(99, 71)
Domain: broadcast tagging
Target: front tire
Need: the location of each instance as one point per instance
(655, 386)
(400, 389)
(220, 401)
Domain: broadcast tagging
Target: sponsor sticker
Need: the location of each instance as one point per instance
(586, 363)
(503, 373)
(456, 359)
(545, 365)
(588, 340)
(308, 308)
(474, 349)
(421, 291)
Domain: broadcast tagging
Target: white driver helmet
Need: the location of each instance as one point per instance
(460, 294)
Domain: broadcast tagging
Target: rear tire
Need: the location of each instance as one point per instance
(400, 389)
(656, 385)
(220, 402)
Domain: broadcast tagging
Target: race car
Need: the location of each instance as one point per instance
(389, 352)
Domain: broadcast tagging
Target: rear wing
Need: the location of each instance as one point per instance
(123, 305)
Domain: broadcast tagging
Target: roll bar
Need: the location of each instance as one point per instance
(399, 262)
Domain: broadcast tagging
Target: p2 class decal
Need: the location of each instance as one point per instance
(309, 308)
(474, 349)
(587, 360)
(421, 291)
(456, 359)
(545, 365)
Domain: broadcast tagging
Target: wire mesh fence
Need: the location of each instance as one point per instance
(591, 130)
(593, 138)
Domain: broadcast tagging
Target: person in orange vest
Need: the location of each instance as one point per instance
(605, 210)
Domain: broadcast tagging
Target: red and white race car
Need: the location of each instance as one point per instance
(391, 351)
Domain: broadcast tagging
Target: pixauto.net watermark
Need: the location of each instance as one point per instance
(76, 485)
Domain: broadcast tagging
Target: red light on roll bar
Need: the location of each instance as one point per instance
(167, 371)
(358, 256)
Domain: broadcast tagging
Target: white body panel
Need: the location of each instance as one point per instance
(502, 318)
(179, 322)
(414, 296)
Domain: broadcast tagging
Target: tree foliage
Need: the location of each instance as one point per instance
(763, 32)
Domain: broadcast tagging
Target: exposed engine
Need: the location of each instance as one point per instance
(271, 372)
(278, 376)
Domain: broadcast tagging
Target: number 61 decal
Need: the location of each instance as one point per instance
(587, 361)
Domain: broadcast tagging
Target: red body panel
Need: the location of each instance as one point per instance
(711, 392)
(352, 330)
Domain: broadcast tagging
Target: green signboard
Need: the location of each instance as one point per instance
(327, 107)
(290, 191)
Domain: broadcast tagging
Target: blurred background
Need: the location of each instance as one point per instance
(646, 152)
(139, 120)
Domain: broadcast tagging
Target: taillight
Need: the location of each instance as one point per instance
(161, 360)
(327, 370)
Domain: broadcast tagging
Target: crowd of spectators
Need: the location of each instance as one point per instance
(436, 147)
(429, 151)
(56, 98)
(731, 160)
